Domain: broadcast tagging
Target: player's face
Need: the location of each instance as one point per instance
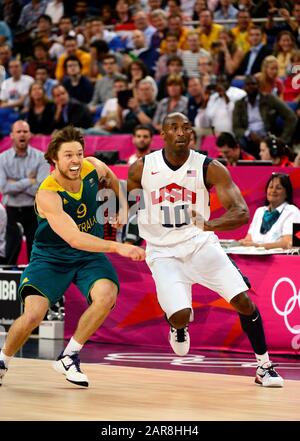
(69, 160)
(177, 134)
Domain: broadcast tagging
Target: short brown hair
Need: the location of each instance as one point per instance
(67, 134)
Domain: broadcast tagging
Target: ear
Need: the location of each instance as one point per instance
(163, 135)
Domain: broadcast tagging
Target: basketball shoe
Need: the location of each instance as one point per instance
(69, 365)
(3, 371)
(179, 340)
(267, 376)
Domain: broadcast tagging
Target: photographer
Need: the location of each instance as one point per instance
(226, 54)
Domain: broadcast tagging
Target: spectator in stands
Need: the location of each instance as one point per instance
(15, 89)
(108, 16)
(11, 10)
(141, 23)
(175, 25)
(71, 48)
(40, 56)
(226, 54)
(230, 149)
(140, 108)
(69, 111)
(98, 32)
(194, 140)
(55, 10)
(275, 150)
(65, 29)
(241, 30)
(174, 7)
(5, 55)
(221, 104)
(77, 85)
(284, 46)
(142, 139)
(159, 20)
(257, 114)
(209, 31)
(295, 24)
(98, 50)
(141, 51)
(225, 11)
(41, 111)
(136, 72)
(175, 101)
(206, 70)
(252, 61)
(42, 76)
(3, 224)
(199, 5)
(196, 99)
(43, 30)
(269, 81)
(191, 55)
(104, 87)
(5, 34)
(291, 93)
(22, 169)
(272, 224)
(171, 49)
(174, 67)
(30, 14)
(124, 19)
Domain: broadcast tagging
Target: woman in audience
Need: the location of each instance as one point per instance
(275, 150)
(272, 224)
(41, 111)
(269, 81)
(283, 48)
(227, 55)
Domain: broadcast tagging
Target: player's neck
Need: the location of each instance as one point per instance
(68, 184)
(176, 158)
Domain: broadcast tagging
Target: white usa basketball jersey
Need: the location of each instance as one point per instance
(168, 194)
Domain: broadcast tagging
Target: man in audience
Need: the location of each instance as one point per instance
(142, 139)
(241, 30)
(69, 111)
(78, 86)
(22, 169)
(15, 89)
(209, 31)
(257, 114)
(191, 56)
(142, 24)
(148, 55)
(71, 48)
(42, 76)
(230, 149)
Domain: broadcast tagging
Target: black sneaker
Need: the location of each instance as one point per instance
(179, 340)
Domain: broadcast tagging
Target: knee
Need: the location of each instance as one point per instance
(32, 319)
(243, 304)
(180, 318)
(106, 301)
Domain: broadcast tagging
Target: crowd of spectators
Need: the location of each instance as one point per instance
(231, 66)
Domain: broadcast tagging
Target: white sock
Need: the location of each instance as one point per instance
(5, 358)
(72, 347)
(262, 359)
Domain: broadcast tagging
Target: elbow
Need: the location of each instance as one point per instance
(245, 216)
(73, 242)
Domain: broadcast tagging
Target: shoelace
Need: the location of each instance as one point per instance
(181, 335)
(270, 370)
(76, 361)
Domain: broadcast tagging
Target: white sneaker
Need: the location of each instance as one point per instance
(69, 365)
(179, 340)
(267, 376)
(3, 371)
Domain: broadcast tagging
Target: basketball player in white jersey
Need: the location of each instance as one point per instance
(181, 250)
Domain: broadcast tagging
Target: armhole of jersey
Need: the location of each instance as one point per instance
(206, 163)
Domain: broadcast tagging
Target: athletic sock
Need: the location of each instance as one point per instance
(263, 360)
(72, 347)
(252, 325)
(5, 358)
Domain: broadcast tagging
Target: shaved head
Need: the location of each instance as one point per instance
(167, 120)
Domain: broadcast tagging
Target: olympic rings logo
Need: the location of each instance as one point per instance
(290, 304)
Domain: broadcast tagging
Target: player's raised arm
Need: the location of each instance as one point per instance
(50, 206)
(229, 195)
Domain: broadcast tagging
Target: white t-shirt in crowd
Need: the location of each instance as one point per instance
(12, 90)
(283, 226)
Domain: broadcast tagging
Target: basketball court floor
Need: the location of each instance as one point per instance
(131, 383)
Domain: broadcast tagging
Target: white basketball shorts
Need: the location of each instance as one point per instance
(176, 268)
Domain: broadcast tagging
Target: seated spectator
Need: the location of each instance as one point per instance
(256, 114)
(69, 111)
(175, 25)
(136, 72)
(220, 105)
(291, 93)
(142, 24)
(284, 46)
(159, 20)
(55, 10)
(98, 32)
(197, 99)
(209, 31)
(174, 8)
(241, 30)
(40, 56)
(269, 81)
(30, 13)
(225, 11)
(124, 21)
(175, 101)
(43, 31)
(40, 114)
(42, 76)
(104, 87)
(3, 224)
(5, 34)
(65, 29)
(174, 67)
(231, 150)
(142, 139)
(272, 224)
(226, 54)
(77, 85)
(140, 109)
(191, 55)
(141, 51)
(71, 48)
(252, 61)
(5, 55)
(171, 49)
(15, 89)
(275, 150)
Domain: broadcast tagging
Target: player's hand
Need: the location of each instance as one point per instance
(131, 251)
(197, 219)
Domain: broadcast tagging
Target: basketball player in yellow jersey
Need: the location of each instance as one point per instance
(181, 250)
(68, 247)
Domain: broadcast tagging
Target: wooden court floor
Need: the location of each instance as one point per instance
(32, 390)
